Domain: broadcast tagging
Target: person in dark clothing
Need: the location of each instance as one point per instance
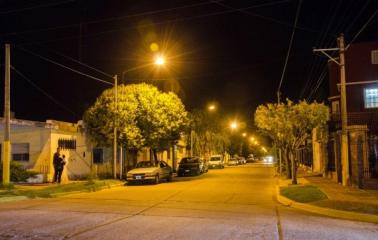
(61, 167)
(57, 164)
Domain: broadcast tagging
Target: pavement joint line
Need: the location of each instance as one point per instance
(348, 215)
(278, 224)
(126, 217)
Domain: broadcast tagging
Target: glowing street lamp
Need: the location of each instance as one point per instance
(211, 108)
(252, 139)
(244, 134)
(234, 125)
(159, 60)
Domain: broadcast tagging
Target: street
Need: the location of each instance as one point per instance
(232, 203)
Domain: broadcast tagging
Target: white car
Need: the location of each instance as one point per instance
(147, 171)
(216, 161)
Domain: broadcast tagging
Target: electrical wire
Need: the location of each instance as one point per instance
(217, 13)
(104, 20)
(362, 29)
(289, 49)
(35, 7)
(267, 18)
(76, 61)
(44, 92)
(63, 66)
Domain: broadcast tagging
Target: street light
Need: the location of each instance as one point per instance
(244, 134)
(233, 125)
(159, 60)
(211, 107)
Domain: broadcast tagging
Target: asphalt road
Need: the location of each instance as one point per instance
(232, 203)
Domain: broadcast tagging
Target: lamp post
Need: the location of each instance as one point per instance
(159, 60)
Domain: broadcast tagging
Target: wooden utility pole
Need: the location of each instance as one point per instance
(115, 128)
(6, 142)
(343, 104)
(344, 114)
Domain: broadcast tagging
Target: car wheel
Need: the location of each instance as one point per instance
(170, 177)
(157, 179)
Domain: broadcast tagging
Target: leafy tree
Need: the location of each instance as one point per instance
(208, 135)
(145, 117)
(289, 125)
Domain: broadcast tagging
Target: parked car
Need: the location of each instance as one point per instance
(147, 171)
(233, 162)
(251, 159)
(192, 166)
(216, 161)
(242, 160)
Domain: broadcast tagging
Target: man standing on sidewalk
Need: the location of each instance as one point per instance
(57, 164)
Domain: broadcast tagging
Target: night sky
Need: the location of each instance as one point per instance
(231, 52)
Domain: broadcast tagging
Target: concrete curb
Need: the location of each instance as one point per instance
(18, 198)
(82, 191)
(364, 217)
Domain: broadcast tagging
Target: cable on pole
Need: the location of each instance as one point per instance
(64, 66)
(289, 49)
(43, 91)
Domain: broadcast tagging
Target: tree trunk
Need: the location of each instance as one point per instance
(293, 169)
(287, 163)
(155, 155)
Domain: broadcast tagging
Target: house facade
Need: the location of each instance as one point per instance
(34, 143)
(361, 64)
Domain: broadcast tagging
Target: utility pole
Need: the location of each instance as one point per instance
(344, 116)
(115, 128)
(343, 105)
(6, 142)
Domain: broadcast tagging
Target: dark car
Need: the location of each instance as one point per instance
(191, 166)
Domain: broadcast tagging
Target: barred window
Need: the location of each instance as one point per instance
(371, 97)
(20, 151)
(67, 143)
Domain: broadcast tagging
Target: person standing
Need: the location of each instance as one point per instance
(61, 168)
(56, 162)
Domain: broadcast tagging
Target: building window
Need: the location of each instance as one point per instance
(374, 57)
(98, 155)
(20, 151)
(67, 144)
(371, 97)
(335, 107)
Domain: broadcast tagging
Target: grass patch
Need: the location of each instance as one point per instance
(303, 194)
(51, 191)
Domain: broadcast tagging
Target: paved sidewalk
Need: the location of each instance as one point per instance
(345, 198)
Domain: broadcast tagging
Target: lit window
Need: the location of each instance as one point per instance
(371, 97)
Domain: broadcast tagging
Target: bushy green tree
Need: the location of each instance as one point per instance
(145, 117)
(289, 125)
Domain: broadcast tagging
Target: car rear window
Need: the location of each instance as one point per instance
(144, 164)
(189, 160)
(215, 159)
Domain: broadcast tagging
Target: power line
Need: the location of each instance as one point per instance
(76, 61)
(160, 23)
(63, 66)
(35, 7)
(111, 19)
(267, 18)
(289, 49)
(362, 29)
(43, 92)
